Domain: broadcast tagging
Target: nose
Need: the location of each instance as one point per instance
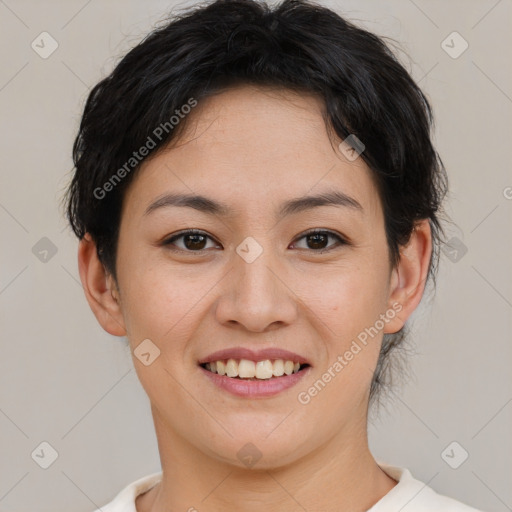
(256, 296)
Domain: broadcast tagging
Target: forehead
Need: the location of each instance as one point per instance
(254, 146)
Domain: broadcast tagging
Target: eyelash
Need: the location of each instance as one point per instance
(340, 240)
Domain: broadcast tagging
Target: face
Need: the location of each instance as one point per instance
(254, 282)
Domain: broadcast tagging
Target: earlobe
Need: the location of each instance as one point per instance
(409, 278)
(99, 287)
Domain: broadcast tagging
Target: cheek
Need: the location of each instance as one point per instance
(157, 293)
(160, 308)
(348, 299)
(349, 305)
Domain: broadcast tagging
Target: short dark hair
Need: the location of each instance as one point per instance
(296, 45)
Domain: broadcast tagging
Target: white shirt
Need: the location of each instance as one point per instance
(409, 495)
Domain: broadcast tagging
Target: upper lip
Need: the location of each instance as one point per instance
(254, 355)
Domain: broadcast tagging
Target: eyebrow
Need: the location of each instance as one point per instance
(292, 206)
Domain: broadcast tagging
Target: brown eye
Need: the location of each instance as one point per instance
(317, 240)
(192, 241)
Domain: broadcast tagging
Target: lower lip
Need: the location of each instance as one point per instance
(255, 388)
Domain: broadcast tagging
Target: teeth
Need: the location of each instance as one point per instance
(264, 369)
(246, 369)
(278, 368)
(232, 368)
(221, 368)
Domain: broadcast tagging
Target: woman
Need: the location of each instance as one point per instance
(257, 201)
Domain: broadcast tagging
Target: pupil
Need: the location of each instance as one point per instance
(196, 239)
(317, 238)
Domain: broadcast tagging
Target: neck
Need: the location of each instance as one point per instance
(341, 475)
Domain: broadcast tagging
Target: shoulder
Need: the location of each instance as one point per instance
(124, 501)
(412, 495)
(431, 500)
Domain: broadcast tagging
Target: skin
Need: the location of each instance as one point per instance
(254, 148)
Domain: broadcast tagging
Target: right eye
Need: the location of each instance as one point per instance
(194, 240)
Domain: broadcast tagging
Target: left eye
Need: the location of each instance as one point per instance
(318, 238)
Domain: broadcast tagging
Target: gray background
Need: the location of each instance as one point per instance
(65, 381)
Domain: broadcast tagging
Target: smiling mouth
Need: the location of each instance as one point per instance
(245, 369)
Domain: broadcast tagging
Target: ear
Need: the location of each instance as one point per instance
(409, 278)
(100, 289)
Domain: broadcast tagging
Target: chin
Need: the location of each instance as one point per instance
(255, 453)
